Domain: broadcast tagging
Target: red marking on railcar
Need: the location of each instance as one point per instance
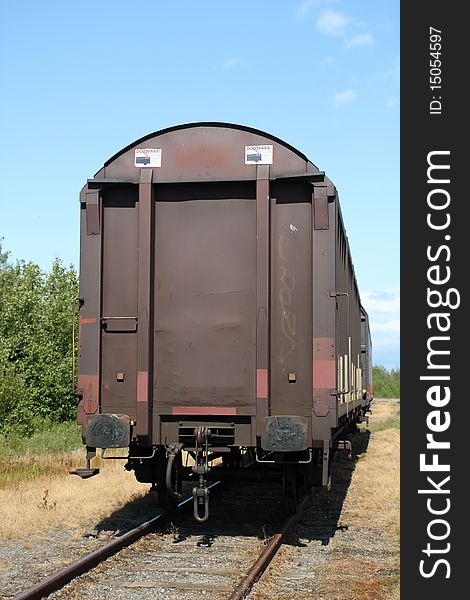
(204, 410)
(371, 390)
(88, 386)
(142, 386)
(324, 373)
(88, 321)
(261, 383)
(195, 154)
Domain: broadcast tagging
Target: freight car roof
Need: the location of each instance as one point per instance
(205, 124)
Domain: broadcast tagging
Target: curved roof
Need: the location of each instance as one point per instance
(206, 124)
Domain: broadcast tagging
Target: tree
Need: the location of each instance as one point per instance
(386, 383)
(36, 311)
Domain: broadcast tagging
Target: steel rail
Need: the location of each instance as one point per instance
(258, 567)
(58, 580)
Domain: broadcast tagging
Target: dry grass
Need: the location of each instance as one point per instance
(359, 560)
(30, 466)
(37, 493)
(374, 496)
(377, 479)
(56, 498)
(377, 473)
(383, 412)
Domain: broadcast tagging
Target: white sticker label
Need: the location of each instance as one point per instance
(148, 157)
(259, 155)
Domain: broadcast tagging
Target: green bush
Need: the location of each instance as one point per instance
(36, 311)
(386, 383)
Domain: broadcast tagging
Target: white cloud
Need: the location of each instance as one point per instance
(304, 8)
(381, 302)
(344, 97)
(383, 308)
(332, 22)
(393, 325)
(337, 23)
(361, 39)
(328, 60)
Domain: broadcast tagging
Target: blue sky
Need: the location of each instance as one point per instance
(80, 80)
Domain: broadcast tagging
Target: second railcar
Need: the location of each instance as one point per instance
(220, 316)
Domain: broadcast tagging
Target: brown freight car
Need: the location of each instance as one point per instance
(219, 313)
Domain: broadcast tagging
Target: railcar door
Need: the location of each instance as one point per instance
(205, 304)
(119, 301)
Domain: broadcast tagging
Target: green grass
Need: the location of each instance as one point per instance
(51, 438)
(14, 471)
(46, 452)
(390, 423)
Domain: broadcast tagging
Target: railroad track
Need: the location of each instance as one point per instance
(219, 559)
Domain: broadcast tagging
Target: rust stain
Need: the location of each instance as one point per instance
(88, 386)
(198, 155)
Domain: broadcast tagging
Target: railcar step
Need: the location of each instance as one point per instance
(85, 473)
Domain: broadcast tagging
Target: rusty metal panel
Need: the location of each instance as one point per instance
(263, 218)
(119, 304)
(206, 152)
(320, 207)
(89, 393)
(88, 384)
(366, 357)
(145, 306)
(324, 415)
(93, 212)
(205, 332)
(291, 300)
(348, 317)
